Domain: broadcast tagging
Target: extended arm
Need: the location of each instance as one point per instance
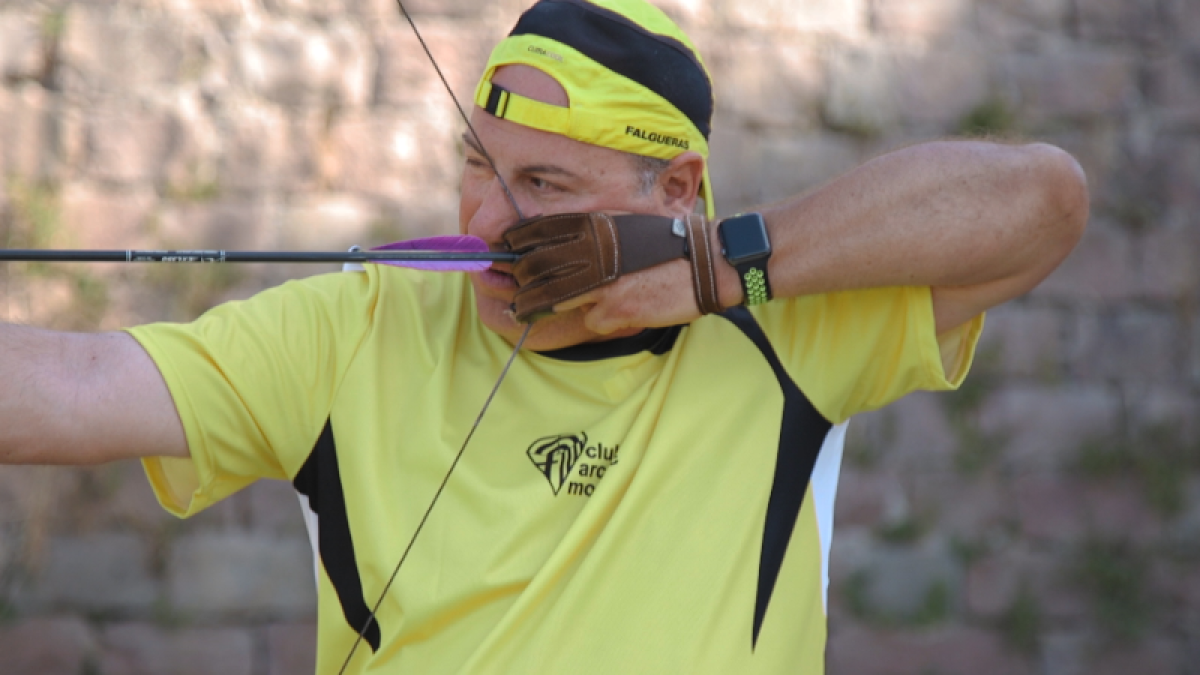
(76, 398)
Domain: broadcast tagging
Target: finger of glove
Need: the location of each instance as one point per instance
(540, 298)
(558, 259)
(548, 230)
(551, 275)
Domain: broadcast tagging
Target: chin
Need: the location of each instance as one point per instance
(551, 332)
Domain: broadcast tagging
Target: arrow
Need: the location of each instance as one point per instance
(419, 256)
(432, 253)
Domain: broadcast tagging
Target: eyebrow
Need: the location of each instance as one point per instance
(469, 139)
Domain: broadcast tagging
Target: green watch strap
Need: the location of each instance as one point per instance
(755, 286)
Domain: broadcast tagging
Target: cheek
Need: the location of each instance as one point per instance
(650, 202)
(468, 203)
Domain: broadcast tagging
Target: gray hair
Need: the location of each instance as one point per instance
(648, 169)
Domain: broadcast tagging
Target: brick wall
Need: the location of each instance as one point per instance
(1045, 519)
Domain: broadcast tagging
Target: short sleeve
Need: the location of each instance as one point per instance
(253, 382)
(859, 350)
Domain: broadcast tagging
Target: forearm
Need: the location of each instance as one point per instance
(72, 398)
(945, 215)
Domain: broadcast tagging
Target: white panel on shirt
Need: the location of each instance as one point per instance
(824, 484)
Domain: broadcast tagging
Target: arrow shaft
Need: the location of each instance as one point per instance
(60, 255)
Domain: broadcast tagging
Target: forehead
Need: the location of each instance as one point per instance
(517, 148)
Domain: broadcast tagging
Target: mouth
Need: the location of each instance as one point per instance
(498, 278)
(502, 268)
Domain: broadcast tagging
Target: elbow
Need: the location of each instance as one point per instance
(1065, 199)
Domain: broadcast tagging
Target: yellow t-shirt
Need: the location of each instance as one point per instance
(660, 504)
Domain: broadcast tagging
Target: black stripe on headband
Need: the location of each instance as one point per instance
(661, 64)
(497, 103)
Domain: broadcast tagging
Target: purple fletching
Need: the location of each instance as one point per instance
(446, 244)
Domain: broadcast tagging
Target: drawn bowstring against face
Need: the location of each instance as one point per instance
(656, 63)
(370, 626)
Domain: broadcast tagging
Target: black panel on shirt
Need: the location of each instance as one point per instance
(320, 480)
(801, 435)
(657, 341)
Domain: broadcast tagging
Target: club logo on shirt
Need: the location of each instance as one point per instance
(556, 457)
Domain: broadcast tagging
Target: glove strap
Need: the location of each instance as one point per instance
(646, 241)
(704, 278)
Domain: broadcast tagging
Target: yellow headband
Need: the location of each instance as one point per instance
(608, 108)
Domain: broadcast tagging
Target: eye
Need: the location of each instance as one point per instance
(541, 184)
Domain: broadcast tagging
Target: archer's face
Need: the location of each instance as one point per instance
(547, 174)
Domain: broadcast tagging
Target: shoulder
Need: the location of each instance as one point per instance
(852, 351)
(363, 295)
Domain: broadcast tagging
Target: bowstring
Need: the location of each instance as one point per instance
(495, 387)
(462, 113)
(445, 479)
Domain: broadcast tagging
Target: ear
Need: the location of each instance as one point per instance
(679, 184)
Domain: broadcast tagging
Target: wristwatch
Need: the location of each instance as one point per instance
(746, 246)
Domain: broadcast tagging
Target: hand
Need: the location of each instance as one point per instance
(561, 257)
(573, 260)
(659, 296)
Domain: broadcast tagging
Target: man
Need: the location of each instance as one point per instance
(651, 489)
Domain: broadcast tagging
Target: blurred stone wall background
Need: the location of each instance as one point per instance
(1045, 519)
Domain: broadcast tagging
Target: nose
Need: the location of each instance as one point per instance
(495, 214)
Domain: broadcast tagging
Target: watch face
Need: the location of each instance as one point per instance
(744, 238)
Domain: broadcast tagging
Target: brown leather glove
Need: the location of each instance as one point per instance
(566, 255)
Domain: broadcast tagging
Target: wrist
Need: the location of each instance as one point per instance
(729, 283)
